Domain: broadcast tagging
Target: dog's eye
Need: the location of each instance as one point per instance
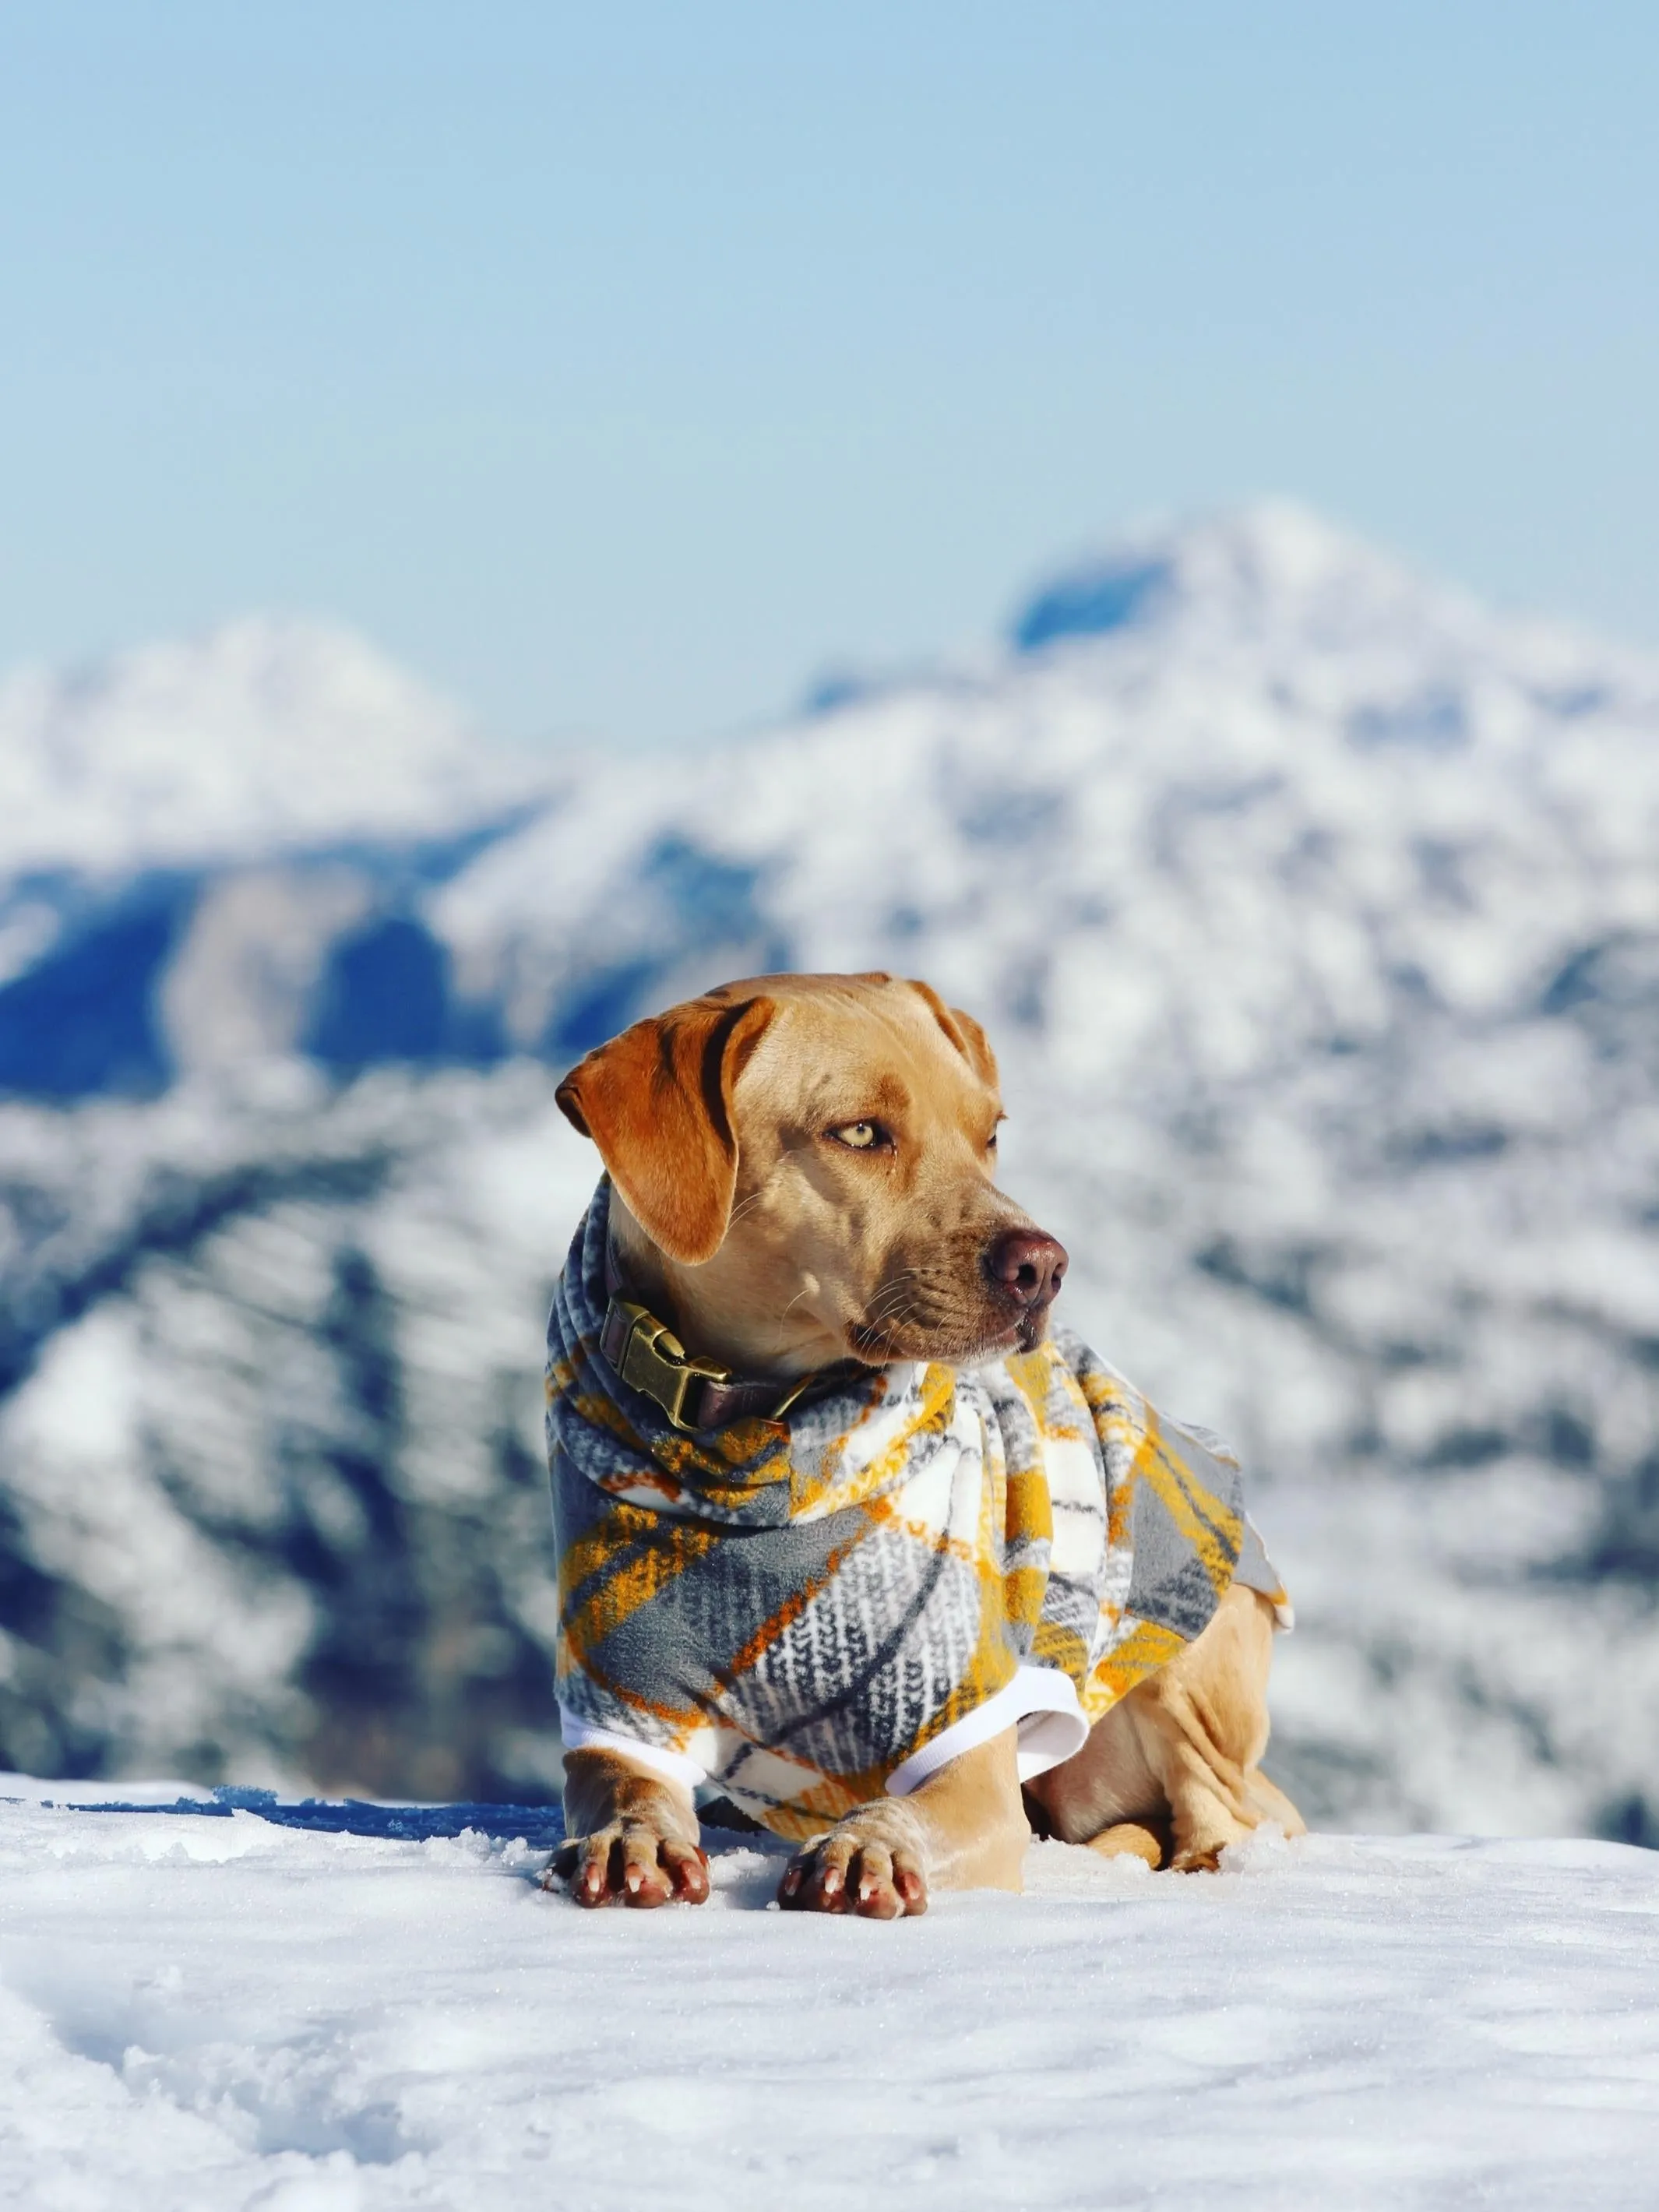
(860, 1136)
(991, 1142)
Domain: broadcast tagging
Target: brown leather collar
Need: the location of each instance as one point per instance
(694, 1394)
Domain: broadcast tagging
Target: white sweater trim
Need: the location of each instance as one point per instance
(582, 1736)
(1043, 1704)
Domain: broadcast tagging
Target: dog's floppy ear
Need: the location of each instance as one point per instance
(657, 1101)
(965, 1032)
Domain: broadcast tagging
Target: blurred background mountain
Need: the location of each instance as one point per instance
(612, 370)
(1313, 910)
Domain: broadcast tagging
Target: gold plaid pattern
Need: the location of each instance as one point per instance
(796, 1609)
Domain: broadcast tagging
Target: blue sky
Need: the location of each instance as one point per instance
(622, 368)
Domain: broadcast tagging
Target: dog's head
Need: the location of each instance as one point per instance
(806, 1167)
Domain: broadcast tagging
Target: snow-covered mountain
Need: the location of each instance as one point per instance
(207, 851)
(1314, 911)
(266, 736)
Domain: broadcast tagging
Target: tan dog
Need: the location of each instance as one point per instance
(803, 1173)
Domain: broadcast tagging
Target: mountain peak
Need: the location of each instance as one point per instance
(265, 733)
(1260, 567)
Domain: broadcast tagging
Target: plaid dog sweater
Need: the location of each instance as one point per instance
(812, 1611)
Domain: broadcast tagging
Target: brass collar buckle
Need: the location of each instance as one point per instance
(654, 1362)
(693, 1392)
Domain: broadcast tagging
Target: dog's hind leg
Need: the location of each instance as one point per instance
(1202, 1721)
(1268, 1802)
(1178, 1758)
(1108, 1795)
(1133, 1839)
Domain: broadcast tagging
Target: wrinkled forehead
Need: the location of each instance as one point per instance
(853, 1051)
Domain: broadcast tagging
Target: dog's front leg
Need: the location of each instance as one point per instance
(632, 1835)
(964, 1828)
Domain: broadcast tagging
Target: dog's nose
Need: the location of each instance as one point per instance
(1026, 1265)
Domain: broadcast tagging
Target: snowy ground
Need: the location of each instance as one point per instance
(223, 2011)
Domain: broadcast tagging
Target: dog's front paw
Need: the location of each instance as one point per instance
(872, 1863)
(629, 1863)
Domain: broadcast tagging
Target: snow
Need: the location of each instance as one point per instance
(1313, 912)
(265, 733)
(221, 2012)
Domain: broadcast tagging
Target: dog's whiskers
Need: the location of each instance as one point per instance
(901, 1296)
(784, 1316)
(743, 1207)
